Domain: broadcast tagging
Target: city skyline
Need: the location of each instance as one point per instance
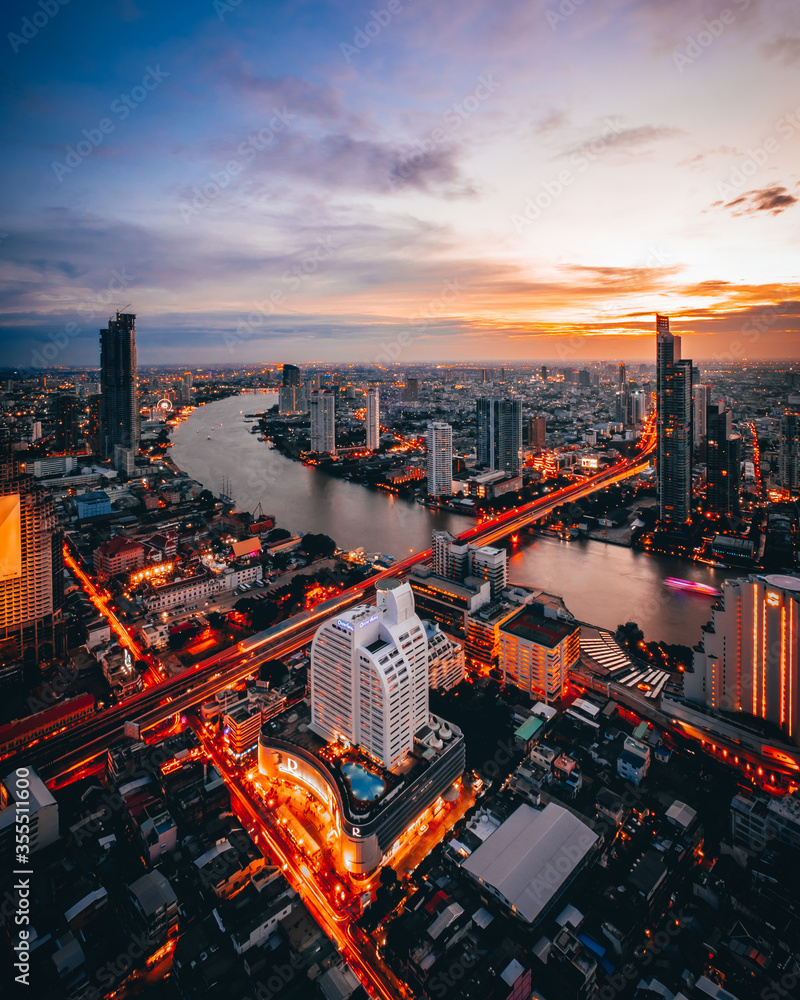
(410, 188)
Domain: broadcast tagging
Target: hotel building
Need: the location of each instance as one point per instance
(366, 746)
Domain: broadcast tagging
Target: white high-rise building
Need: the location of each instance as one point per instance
(322, 404)
(369, 676)
(440, 459)
(749, 657)
(489, 563)
(373, 419)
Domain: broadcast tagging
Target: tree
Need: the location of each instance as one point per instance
(317, 545)
(277, 535)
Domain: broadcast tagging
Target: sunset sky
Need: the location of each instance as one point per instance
(405, 180)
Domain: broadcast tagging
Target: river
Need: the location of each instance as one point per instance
(603, 584)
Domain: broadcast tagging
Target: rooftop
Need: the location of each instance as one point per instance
(530, 858)
(528, 624)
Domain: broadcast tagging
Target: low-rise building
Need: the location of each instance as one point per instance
(761, 820)
(153, 908)
(118, 555)
(633, 762)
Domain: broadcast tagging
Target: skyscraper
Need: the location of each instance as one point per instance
(674, 427)
(440, 459)
(322, 403)
(373, 419)
(67, 433)
(749, 657)
(723, 459)
(119, 415)
(699, 415)
(789, 452)
(455, 560)
(291, 375)
(369, 676)
(31, 565)
(499, 439)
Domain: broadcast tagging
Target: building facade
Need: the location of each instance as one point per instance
(723, 462)
(674, 427)
(31, 564)
(537, 650)
(499, 438)
(322, 404)
(789, 452)
(369, 676)
(748, 659)
(119, 412)
(440, 459)
(373, 419)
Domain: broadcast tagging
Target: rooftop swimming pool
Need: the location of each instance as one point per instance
(365, 784)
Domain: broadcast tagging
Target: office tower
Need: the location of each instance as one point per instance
(723, 461)
(119, 413)
(789, 452)
(440, 459)
(537, 434)
(499, 441)
(699, 414)
(748, 659)
(584, 378)
(544, 373)
(31, 564)
(369, 676)
(674, 426)
(484, 376)
(373, 419)
(322, 403)
(291, 375)
(622, 379)
(67, 433)
(36, 431)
